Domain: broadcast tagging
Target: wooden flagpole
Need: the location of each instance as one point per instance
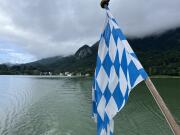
(167, 114)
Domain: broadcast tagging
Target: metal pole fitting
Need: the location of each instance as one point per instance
(104, 3)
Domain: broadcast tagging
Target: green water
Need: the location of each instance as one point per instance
(62, 106)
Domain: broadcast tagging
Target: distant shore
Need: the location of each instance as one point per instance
(164, 76)
(83, 76)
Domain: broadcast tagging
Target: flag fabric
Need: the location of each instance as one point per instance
(117, 72)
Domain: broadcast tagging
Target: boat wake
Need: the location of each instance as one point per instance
(12, 106)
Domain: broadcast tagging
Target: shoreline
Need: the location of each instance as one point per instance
(57, 76)
(164, 76)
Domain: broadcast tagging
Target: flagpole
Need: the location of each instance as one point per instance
(164, 109)
(161, 104)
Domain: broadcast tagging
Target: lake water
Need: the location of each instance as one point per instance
(62, 106)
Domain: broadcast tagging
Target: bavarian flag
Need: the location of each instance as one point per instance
(117, 72)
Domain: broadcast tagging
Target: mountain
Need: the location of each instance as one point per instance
(160, 55)
(84, 51)
(46, 61)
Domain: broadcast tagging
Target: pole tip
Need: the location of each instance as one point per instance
(104, 3)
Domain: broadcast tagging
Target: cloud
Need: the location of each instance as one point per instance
(6, 50)
(141, 18)
(15, 57)
(46, 28)
(12, 54)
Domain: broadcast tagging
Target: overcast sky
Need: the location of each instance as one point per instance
(34, 29)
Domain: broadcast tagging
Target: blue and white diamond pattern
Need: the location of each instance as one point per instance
(117, 72)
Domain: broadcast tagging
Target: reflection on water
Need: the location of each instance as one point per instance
(62, 106)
